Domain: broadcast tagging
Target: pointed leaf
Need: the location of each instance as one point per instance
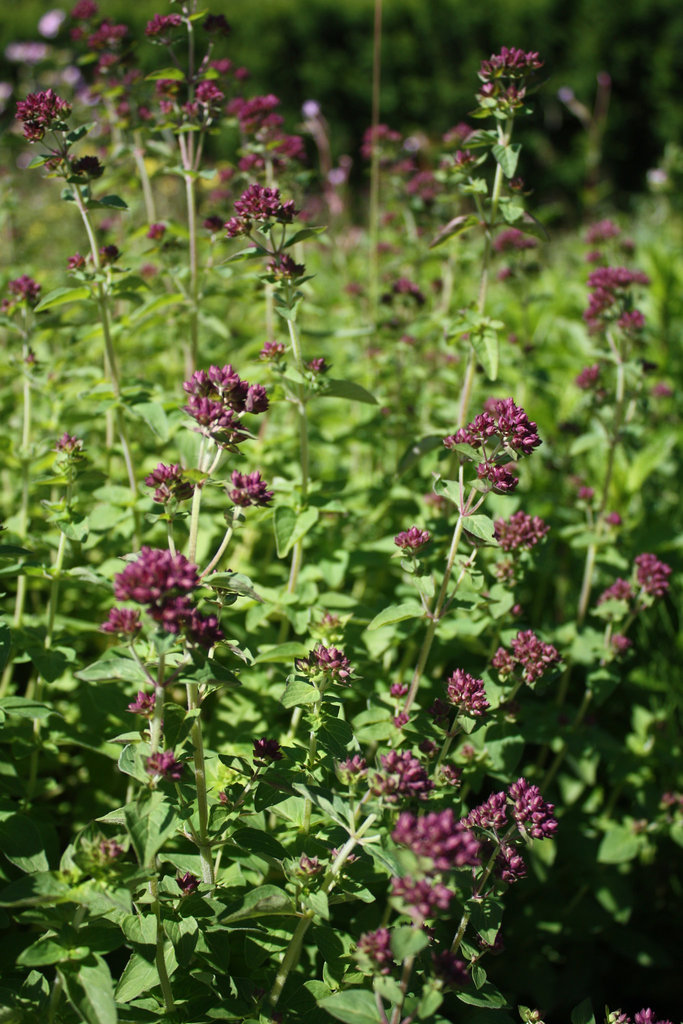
(397, 613)
(348, 389)
(355, 1006)
(150, 822)
(90, 991)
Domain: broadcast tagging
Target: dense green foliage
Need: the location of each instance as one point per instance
(220, 883)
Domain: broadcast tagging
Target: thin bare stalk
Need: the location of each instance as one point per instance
(148, 195)
(297, 550)
(403, 985)
(200, 782)
(374, 163)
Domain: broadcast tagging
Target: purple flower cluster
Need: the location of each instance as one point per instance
(421, 898)
(170, 484)
(652, 575)
(506, 428)
(352, 768)
(450, 969)
(259, 204)
(412, 540)
(404, 286)
(531, 656)
(21, 289)
(376, 946)
(329, 660)
(620, 590)
(123, 622)
(266, 750)
(440, 837)
(467, 694)
(588, 377)
(513, 240)
(380, 136)
(403, 776)
(187, 883)
(520, 531)
(610, 297)
(283, 267)
(492, 814)
(249, 489)
(510, 866)
(161, 25)
(165, 765)
(601, 231)
(272, 351)
(218, 397)
(504, 77)
(143, 704)
(41, 112)
(533, 815)
(162, 581)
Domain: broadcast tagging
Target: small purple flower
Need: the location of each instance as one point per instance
(170, 484)
(450, 969)
(467, 694)
(110, 849)
(154, 576)
(439, 836)
(76, 262)
(162, 24)
(124, 622)
(69, 445)
(309, 865)
(613, 519)
(259, 204)
(621, 643)
(23, 289)
(502, 480)
(398, 690)
(272, 351)
(376, 947)
(201, 629)
(530, 655)
(620, 590)
(512, 239)
(491, 814)
(533, 815)
(403, 776)
(520, 531)
(109, 254)
(421, 898)
(266, 751)
(601, 231)
(588, 377)
(143, 704)
(412, 540)
(165, 765)
(652, 575)
(332, 661)
(401, 719)
(352, 768)
(156, 232)
(187, 883)
(249, 489)
(42, 112)
(317, 366)
(510, 866)
(283, 267)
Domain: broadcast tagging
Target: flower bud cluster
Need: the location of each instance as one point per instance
(520, 531)
(529, 656)
(41, 112)
(504, 78)
(467, 694)
(404, 776)
(502, 432)
(611, 298)
(170, 484)
(218, 399)
(259, 205)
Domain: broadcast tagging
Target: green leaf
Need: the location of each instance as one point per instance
(583, 1013)
(140, 975)
(397, 613)
(507, 157)
(303, 234)
(355, 1006)
(264, 901)
(414, 453)
(113, 665)
(90, 991)
(34, 889)
(183, 934)
(150, 822)
(485, 917)
(23, 843)
(348, 389)
(456, 226)
(332, 806)
(234, 583)
(485, 345)
(618, 846)
(298, 693)
(488, 995)
(482, 528)
(290, 527)
(60, 296)
(43, 952)
(430, 1001)
(317, 901)
(111, 202)
(24, 707)
(259, 843)
(407, 941)
(173, 74)
(154, 415)
(281, 652)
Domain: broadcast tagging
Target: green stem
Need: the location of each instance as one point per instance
(159, 957)
(157, 722)
(434, 621)
(139, 157)
(297, 550)
(464, 920)
(200, 782)
(374, 163)
(403, 985)
(291, 958)
(196, 504)
(562, 752)
(191, 352)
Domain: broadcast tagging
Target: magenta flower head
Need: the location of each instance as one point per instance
(420, 898)
(41, 112)
(161, 25)
(520, 531)
(492, 814)
(123, 622)
(652, 575)
(374, 950)
(513, 240)
(21, 289)
(261, 205)
(169, 484)
(439, 837)
(266, 751)
(451, 970)
(328, 660)
(588, 377)
(467, 694)
(76, 262)
(620, 590)
(249, 489)
(403, 776)
(352, 769)
(156, 232)
(164, 765)
(187, 883)
(412, 540)
(529, 655)
(155, 576)
(533, 815)
(143, 704)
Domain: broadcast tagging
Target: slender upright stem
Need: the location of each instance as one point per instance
(435, 615)
(200, 783)
(196, 504)
(374, 163)
(403, 985)
(148, 195)
(297, 550)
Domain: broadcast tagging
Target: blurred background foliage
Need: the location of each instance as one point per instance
(431, 52)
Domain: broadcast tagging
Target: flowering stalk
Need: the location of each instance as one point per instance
(589, 566)
(205, 856)
(148, 195)
(374, 161)
(297, 551)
